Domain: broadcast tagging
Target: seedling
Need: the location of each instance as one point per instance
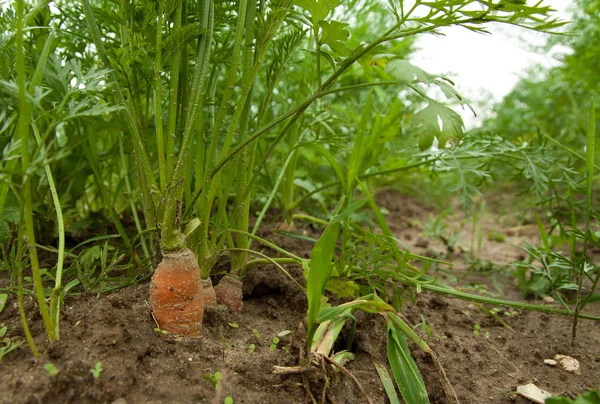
(97, 370)
(226, 344)
(274, 342)
(437, 228)
(477, 330)
(214, 378)
(496, 236)
(251, 348)
(51, 369)
(507, 313)
(425, 328)
(7, 344)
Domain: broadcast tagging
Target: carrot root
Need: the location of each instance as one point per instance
(229, 292)
(208, 293)
(176, 297)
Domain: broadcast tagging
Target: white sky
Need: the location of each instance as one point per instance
(484, 66)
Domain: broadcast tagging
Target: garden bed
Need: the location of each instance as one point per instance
(484, 361)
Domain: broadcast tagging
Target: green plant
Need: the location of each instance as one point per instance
(274, 342)
(197, 113)
(591, 397)
(7, 344)
(388, 384)
(477, 331)
(97, 370)
(476, 231)
(183, 153)
(426, 329)
(496, 236)
(214, 378)
(548, 269)
(51, 369)
(437, 228)
(585, 269)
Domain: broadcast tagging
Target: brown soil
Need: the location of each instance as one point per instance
(139, 366)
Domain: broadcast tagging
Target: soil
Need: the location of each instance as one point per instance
(141, 366)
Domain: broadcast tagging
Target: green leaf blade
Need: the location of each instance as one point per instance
(320, 268)
(388, 384)
(405, 371)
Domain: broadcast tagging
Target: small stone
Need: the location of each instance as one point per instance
(120, 401)
(548, 299)
(550, 362)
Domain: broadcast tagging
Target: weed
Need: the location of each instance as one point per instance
(214, 378)
(51, 369)
(425, 328)
(437, 228)
(97, 370)
(7, 344)
(274, 342)
(495, 235)
(477, 331)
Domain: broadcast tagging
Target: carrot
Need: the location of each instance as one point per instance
(176, 297)
(208, 293)
(229, 292)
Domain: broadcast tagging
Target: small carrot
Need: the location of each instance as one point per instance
(208, 293)
(229, 292)
(176, 297)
